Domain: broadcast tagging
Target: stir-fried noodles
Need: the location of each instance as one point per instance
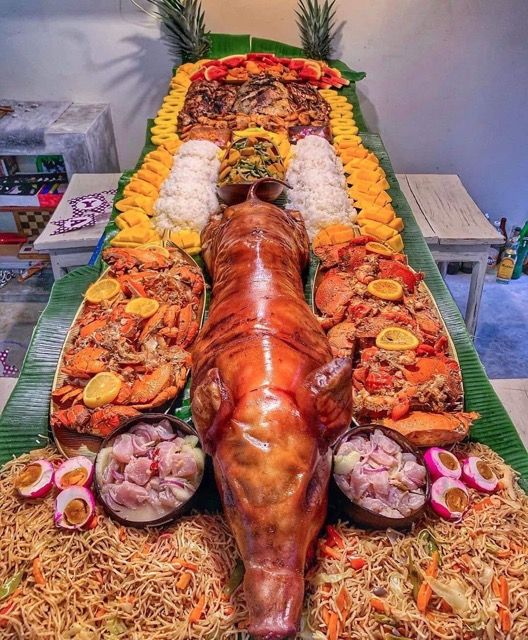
(173, 583)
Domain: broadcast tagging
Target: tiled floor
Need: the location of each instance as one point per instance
(514, 397)
(17, 321)
(502, 331)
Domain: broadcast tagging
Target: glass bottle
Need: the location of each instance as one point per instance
(507, 264)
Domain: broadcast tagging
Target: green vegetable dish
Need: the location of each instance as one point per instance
(249, 159)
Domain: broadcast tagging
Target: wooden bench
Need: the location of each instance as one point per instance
(454, 228)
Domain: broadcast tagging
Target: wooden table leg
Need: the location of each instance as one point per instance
(58, 270)
(475, 293)
(442, 267)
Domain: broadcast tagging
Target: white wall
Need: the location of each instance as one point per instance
(447, 82)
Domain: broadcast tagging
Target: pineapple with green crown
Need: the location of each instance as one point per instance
(185, 32)
(316, 25)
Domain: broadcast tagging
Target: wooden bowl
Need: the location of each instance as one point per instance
(178, 426)
(237, 192)
(365, 517)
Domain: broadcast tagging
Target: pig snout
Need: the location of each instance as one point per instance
(275, 599)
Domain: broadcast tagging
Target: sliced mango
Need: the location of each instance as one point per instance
(377, 214)
(136, 185)
(362, 200)
(334, 234)
(360, 163)
(171, 145)
(368, 228)
(137, 201)
(397, 224)
(322, 238)
(396, 243)
(187, 239)
(382, 199)
(160, 155)
(131, 218)
(378, 230)
(368, 176)
(134, 236)
(370, 187)
(156, 167)
(151, 177)
(348, 151)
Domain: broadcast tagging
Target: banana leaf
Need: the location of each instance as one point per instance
(225, 44)
(24, 422)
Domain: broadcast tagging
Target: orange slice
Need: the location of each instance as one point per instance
(151, 246)
(378, 247)
(396, 339)
(102, 389)
(104, 289)
(143, 307)
(385, 289)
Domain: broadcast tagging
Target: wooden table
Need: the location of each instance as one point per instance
(75, 248)
(454, 228)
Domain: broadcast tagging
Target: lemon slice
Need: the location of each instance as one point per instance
(396, 339)
(102, 389)
(158, 249)
(385, 289)
(378, 247)
(143, 307)
(104, 289)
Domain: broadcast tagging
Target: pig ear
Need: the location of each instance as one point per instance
(325, 398)
(212, 407)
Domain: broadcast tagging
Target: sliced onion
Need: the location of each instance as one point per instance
(449, 498)
(478, 474)
(35, 480)
(75, 472)
(74, 508)
(117, 476)
(442, 463)
(367, 469)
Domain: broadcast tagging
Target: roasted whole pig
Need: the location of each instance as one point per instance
(267, 398)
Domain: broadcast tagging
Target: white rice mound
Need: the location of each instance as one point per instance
(188, 195)
(318, 185)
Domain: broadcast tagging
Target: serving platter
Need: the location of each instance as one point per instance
(421, 286)
(72, 443)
